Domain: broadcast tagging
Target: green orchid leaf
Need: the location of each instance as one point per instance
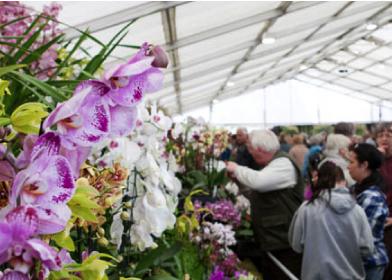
(7, 69)
(83, 213)
(5, 121)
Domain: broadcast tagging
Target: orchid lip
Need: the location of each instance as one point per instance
(33, 189)
(119, 82)
(72, 122)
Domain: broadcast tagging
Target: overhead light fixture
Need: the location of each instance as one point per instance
(230, 84)
(371, 26)
(343, 70)
(268, 40)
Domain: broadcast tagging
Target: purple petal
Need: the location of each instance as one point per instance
(96, 87)
(42, 251)
(24, 157)
(7, 172)
(47, 144)
(132, 93)
(140, 60)
(17, 186)
(123, 120)
(59, 178)
(141, 54)
(133, 68)
(14, 275)
(5, 237)
(47, 180)
(95, 122)
(76, 156)
(64, 257)
(23, 221)
(68, 108)
(52, 218)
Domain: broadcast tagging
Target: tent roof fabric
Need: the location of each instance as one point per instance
(219, 50)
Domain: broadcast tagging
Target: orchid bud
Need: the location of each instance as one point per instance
(108, 202)
(125, 216)
(160, 57)
(103, 241)
(128, 204)
(101, 232)
(27, 117)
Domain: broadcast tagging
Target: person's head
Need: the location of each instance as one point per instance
(298, 139)
(241, 136)
(344, 128)
(364, 160)
(327, 177)
(263, 144)
(337, 144)
(317, 139)
(383, 136)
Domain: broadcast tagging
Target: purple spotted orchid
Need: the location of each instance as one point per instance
(20, 248)
(47, 184)
(85, 118)
(130, 81)
(75, 154)
(100, 108)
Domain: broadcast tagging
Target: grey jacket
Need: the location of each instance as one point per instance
(333, 239)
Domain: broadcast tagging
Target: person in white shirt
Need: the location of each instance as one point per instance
(276, 192)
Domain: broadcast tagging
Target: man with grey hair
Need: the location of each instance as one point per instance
(241, 152)
(276, 193)
(337, 150)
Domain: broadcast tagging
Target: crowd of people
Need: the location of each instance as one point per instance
(319, 204)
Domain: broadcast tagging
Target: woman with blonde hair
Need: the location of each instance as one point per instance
(298, 150)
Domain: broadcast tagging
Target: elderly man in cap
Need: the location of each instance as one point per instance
(276, 193)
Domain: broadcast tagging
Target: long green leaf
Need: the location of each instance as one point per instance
(113, 47)
(41, 98)
(48, 90)
(157, 256)
(64, 83)
(13, 21)
(99, 59)
(74, 49)
(25, 47)
(121, 31)
(83, 33)
(90, 67)
(129, 46)
(7, 69)
(27, 31)
(36, 54)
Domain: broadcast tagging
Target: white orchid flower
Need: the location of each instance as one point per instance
(140, 236)
(232, 188)
(116, 230)
(156, 212)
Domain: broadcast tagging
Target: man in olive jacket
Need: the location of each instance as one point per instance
(275, 193)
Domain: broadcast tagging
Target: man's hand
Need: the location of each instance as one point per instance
(383, 149)
(231, 166)
(388, 222)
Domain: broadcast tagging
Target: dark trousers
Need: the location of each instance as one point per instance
(290, 259)
(388, 245)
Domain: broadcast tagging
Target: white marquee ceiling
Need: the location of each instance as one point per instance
(217, 49)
